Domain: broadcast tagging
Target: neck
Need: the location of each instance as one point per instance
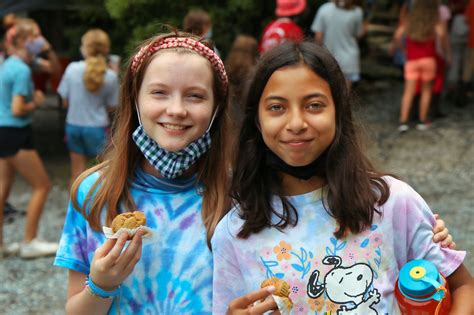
(294, 186)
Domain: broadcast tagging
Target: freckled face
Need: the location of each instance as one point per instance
(176, 98)
(297, 115)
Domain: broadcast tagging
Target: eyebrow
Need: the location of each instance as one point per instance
(306, 97)
(163, 85)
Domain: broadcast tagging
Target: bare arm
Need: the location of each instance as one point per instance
(318, 37)
(79, 301)
(461, 286)
(50, 63)
(397, 38)
(21, 108)
(442, 33)
(110, 266)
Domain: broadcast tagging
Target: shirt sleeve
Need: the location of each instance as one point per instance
(77, 244)
(22, 82)
(63, 88)
(359, 22)
(227, 278)
(318, 24)
(414, 217)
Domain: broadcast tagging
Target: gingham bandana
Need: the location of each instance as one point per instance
(171, 164)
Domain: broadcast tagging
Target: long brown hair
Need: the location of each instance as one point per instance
(354, 187)
(122, 157)
(422, 19)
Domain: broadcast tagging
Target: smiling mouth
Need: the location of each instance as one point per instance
(173, 126)
(295, 142)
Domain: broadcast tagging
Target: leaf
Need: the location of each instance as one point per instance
(378, 252)
(341, 246)
(271, 263)
(377, 262)
(329, 251)
(304, 255)
(333, 241)
(373, 227)
(297, 267)
(311, 255)
(364, 243)
(279, 275)
(306, 270)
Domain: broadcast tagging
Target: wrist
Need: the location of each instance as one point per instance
(103, 292)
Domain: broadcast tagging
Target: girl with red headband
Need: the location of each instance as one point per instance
(166, 159)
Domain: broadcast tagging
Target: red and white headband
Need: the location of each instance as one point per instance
(185, 42)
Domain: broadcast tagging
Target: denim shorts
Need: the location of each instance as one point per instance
(88, 141)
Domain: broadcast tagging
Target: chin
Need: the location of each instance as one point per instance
(297, 162)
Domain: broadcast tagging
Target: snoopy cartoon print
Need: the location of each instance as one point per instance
(346, 285)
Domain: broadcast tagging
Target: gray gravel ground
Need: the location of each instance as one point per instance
(438, 163)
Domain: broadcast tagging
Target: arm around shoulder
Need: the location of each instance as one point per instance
(461, 285)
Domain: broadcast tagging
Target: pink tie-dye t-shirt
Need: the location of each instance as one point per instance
(356, 274)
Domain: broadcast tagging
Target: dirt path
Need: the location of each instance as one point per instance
(438, 163)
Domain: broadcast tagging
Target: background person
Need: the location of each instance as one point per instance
(90, 91)
(17, 154)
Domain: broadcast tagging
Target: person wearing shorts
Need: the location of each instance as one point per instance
(87, 141)
(17, 154)
(90, 90)
(423, 69)
(421, 29)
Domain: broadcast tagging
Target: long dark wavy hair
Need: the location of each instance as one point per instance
(353, 188)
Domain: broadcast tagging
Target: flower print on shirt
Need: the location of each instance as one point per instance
(282, 251)
(297, 289)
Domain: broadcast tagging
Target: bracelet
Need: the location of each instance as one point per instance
(94, 289)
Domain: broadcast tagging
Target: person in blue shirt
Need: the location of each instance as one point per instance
(17, 153)
(168, 160)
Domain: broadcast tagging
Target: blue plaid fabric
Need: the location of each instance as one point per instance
(171, 164)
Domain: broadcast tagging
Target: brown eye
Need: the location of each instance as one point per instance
(275, 107)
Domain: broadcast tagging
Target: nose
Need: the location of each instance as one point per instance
(176, 107)
(296, 121)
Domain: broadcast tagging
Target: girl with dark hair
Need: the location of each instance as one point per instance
(166, 160)
(311, 209)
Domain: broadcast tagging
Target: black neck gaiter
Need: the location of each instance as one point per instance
(301, 172)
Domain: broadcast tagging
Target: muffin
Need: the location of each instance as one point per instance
(128, 220)
(282, 290)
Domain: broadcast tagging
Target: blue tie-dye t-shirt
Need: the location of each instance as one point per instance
(174, 274)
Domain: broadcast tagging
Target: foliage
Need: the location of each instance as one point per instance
(136, 20)
(129, 22)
